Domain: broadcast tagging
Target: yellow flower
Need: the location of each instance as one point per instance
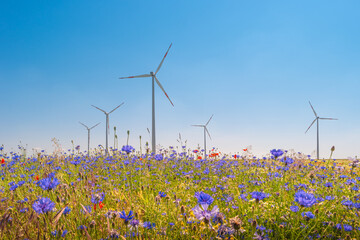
(216, 227)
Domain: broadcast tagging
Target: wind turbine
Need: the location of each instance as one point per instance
(205, 131)
(317, 118)
(88, 129)
(154, 78)
(107, 124)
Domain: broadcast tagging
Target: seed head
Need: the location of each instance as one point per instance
(92, 224)
(235, 222)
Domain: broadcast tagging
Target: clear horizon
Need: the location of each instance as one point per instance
(254, 65)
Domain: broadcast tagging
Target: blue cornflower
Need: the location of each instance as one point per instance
(97, 198)
(338, 226)
(201, 212)
(20, 183)
(224, 232)
(88, 209)
(162, 194)
(48, 183)
(149, 225)
(277, 153)
(294, 208)
(347, 228)
(328, 184)
(356, 205)
(13, 187)
(244, 196)
(23, 201)
(289, 161)
(43, 205)
(261, 228)
(329, 198)
(259, 195)
(134, 223)
(64, 233)
(67, 210)
(204, 198)
(305, 199)
(54, 233)
(128, 149)
(347, 203)
(24, 210)
(126, 218)
(82, 227)
(309, 215)
(159, 157)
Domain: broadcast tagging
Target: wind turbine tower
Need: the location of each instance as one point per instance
(88, 129)
(205, 131)
(317, 118)
(107, 124)
(154, 78)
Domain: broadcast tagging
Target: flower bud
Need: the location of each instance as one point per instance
(92, 224)
(182, 209)
(254, 223)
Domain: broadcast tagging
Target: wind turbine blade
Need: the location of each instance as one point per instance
(313, 109)
(99, 109)
(94, 126)
(329, 118)
(157, 81)
(207, 132)
(209, 120)
(148, 130)
(198, 125)
(84, 125)
(137, 76)
(162, 60)
(311, 125)
(116, 108)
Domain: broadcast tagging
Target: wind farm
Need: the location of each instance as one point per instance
(223, 156)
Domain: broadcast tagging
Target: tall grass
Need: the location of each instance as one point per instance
(159, 190)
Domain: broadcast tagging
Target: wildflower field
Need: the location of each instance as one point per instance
(176, 194)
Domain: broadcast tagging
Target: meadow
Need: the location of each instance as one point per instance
(176, 194)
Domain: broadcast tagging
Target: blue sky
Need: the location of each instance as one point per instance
(253, 64)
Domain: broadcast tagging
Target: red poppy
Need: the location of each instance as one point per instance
(2, 161)
(94, 206)
(196, 151)
(245, 149)
(101, 205)
(36, 178)
(199, 157)
(235, 156)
